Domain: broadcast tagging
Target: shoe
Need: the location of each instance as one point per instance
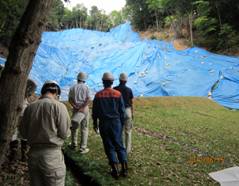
(114, 171)
(84, 151)
(124, 169)
(72, 147)
(13, 151)
(24, 150)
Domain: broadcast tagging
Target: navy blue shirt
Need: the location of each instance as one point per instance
(126, 93)
(108, 104)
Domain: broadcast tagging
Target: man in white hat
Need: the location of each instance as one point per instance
(128, 102)
(45, 125)
(108, 108)
(79, 98)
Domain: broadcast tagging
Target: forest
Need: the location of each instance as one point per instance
(211, 24)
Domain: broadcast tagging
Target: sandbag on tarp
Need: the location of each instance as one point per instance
(155, 68)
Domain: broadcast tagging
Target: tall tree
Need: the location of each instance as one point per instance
(116, 17)
(94, 15)
(54, 21)
(67, 19)
(140, 14)
(10, 11)
(18, 65)
(79, 14)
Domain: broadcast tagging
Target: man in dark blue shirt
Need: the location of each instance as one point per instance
(108, 108)
(128, 102)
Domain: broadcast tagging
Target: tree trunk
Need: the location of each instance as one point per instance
(157, 20)
(18, 65)
(218, 15)
(190, 19)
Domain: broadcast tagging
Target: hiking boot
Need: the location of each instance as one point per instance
(84, 151)
(72, 147)
(124, 169)
(24, 150)
(114, 171)
(13, 156)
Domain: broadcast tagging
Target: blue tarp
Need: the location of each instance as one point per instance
(155, 68)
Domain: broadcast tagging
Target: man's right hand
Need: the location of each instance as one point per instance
(95, 126)
(96, 129)
(82, 109)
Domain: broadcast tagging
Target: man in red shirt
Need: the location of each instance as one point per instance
(108, 108)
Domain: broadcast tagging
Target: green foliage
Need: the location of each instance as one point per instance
(202, 7)
(56, 15)
(59, 18)
(155, 4)
(140, 15)
(207, 16)
(169, 20)
(67, 18)
(215, 23)
(205, 25)
(229, 38)
(10, 14)
(70, 180)
(116, 17)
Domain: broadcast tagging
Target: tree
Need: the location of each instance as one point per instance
(54, 20)
(94, 14)
(67, 19)
(10, 11)
(79, 14)
(157, 6)
(116, 17)
(140, 14)
(18, 65)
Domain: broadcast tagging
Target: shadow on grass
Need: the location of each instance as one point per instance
(78, 173)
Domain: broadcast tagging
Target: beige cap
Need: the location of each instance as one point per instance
(123, 77)
(81, 76)
(108, 76)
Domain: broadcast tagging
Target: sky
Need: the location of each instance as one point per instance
(107, 5)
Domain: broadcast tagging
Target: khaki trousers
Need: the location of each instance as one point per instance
(127, 130)
(80, 120)
(46, 167)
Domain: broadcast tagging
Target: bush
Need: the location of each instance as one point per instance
(228, 38)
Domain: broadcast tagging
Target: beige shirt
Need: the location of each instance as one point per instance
(79, 94)
(45, 123)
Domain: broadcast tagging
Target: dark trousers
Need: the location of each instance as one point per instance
(111, 134)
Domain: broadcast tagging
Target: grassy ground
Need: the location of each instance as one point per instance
(176, 141)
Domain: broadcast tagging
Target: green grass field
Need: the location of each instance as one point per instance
(176, 141)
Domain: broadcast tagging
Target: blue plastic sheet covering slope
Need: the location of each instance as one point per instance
(226, 90)
(155, 68)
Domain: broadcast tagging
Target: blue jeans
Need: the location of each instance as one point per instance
(111, 134)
